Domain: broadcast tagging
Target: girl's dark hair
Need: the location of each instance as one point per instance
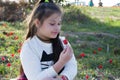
(42, 11)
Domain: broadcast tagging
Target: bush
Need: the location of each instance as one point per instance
(11, 11)
(73, 13)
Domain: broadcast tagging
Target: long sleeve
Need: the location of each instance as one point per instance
(70, 69)
(32, 66)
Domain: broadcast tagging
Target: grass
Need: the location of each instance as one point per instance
(93, 33)
(90, 29)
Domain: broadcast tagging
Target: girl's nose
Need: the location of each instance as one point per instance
(57, 27)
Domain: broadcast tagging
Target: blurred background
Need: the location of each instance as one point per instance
(91, 26)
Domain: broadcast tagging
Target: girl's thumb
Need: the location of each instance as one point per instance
(65, 49)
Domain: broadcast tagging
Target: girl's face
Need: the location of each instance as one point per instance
(50, 27)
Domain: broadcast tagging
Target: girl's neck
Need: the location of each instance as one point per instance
(46, 41)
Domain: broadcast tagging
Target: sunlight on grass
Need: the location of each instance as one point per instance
(93, 32)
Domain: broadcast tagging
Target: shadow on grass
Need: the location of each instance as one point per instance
(82, 28)
(76, 23)
(77, 19)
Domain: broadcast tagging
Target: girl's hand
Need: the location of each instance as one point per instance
(66, 55)
(50, 78)
(56, 78)
(62, 77)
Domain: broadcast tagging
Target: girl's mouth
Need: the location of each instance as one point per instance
(54, 32)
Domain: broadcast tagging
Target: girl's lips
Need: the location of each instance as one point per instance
(55, 32)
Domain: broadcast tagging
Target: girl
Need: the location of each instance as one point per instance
(43, 55)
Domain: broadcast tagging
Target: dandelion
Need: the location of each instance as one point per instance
(11, 33)
(8, 64)
(65, 41)
(19, 50)
(12, 55)
(20, 44)
(87, 76)
(110, 61)
(82, 55)
(16, 37)
(94, 52)
(99, 49)
(100, 66)
(3, 58)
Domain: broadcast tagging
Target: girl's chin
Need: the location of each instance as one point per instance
(53, 37)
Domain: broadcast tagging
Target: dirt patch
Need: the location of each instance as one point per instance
(93, 34)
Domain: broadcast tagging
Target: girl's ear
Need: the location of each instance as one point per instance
(37, 23)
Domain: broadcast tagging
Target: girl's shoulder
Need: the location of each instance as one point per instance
(62, 37)
(32, 46)
(28, 42)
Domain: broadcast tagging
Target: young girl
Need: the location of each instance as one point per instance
(43, 55)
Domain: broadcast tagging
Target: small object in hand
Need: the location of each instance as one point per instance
(63, 77)
(65, 41)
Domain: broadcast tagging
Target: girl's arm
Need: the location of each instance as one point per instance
(70, 70)
(32, 66)
(65, 56)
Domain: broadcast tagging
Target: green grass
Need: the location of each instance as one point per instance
(91, 28)
(87, 29)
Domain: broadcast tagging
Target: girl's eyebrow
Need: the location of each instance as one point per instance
(55, 20)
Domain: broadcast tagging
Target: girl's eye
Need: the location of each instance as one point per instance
(52, 24)
(59, 23)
